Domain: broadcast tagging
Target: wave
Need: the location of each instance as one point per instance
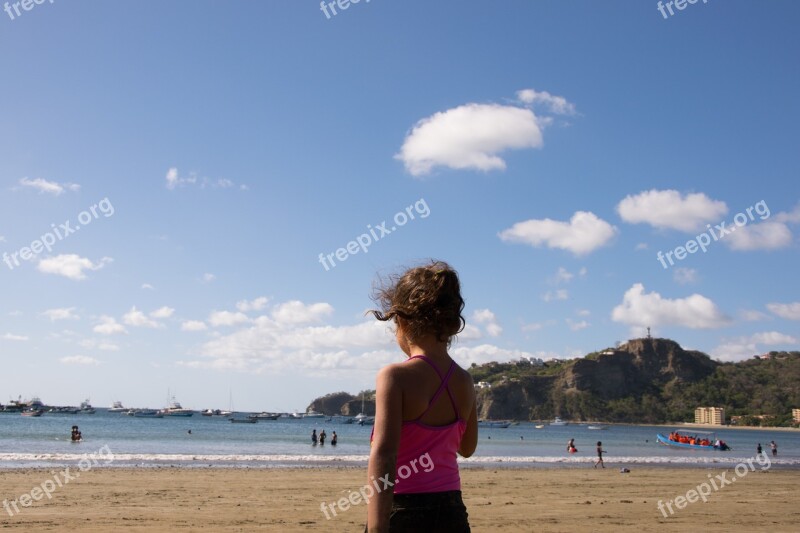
(145, 459)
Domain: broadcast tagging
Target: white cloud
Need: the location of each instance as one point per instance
(792, 217)
(559, 294)
(91, 344)
(174, 180)
(583, 312)
(227, 318)
(109, 326)
(741, 348)
(147, 286)
(788, 311)
(684, 276)
(255, 305)
(12, 337)
(469, 137)
(296, 312)
(2, 238)
(751, 315)
(208, 277)
(162, 312)
(670, 209)
(70, 266)
(194, 325)
(489, 321)
(557, 105)
(79, 360)
(763, 236)
(64, 313)
(485, 353)
(563, 275)
(138, 319)
(583, 234)
(49, 187)
(641, 246)
(645, 310)
(577, 326)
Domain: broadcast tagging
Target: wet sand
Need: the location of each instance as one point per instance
(553, 499)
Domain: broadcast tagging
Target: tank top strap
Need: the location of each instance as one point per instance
(443, 387)
(427, 360)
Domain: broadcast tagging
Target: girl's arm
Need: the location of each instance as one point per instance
(383, 455)
(470, 439)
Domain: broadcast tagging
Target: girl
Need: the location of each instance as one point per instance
(425, 411)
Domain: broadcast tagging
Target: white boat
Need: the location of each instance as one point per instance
(597, 427)
(558, 422)
(539, 426)
(176, 409)
(265, 416)
(117, 407)
(313, 414)
(86, 408)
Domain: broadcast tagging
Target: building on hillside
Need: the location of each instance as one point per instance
(714, 416)
(796, 415)
(483, 385)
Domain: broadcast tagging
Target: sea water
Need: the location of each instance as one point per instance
(215, 441)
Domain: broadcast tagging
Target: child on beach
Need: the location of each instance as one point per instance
(425, 408)
(600, 452)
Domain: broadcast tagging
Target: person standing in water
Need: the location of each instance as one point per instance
(759, 449)
(774, 448)
(314, 437)
(322, 436)
(425, 407)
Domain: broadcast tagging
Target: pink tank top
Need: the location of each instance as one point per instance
(426, 457)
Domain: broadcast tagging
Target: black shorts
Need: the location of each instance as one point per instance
(430, 512)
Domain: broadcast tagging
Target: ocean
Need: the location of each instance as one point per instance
(215, 442)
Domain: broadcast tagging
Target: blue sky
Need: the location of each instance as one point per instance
(547, 150)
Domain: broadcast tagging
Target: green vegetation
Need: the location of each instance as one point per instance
(644, 381)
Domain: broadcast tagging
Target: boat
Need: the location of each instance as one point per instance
(117, 407)
(494, 423)
(366, 421)
(248, 420)
(86, 408)
(216, 412)
(32, 412)
(710, 436)
(175, 409)
(313, 414)
(539, 426)
(148, 413)
(265, 416)
(64, 410)
(597, 427)
(558, 422)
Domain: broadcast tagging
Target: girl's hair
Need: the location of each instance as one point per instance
(427, 298)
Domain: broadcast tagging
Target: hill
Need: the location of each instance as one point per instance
(642, 381)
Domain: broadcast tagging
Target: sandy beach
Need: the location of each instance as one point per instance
(569, 499)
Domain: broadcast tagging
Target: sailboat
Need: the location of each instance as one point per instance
(361, 419)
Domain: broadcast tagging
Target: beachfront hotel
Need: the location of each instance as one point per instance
(714, 416)
(796, 415)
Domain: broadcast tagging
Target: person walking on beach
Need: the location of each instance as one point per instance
(425, 407)
(774, 448)
(759, 450)
(314, 437)
(600, 452)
